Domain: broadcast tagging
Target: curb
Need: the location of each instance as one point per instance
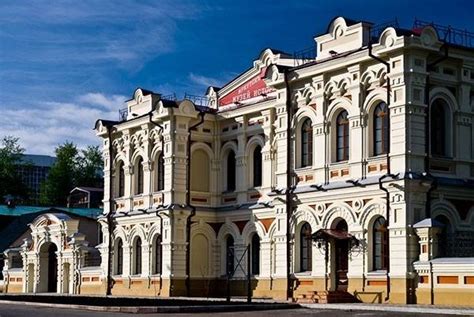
(390, 308)
(160, 309)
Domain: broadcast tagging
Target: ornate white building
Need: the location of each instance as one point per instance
(351, 172)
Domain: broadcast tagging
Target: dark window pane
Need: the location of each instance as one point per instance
(257, 166)
(231, 171)
(306, 143)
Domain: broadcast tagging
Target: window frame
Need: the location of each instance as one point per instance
(119, 257)
(255, 254)
(137, 256)
(231, 169)
(139, 190)
(160, 173)
(380, 128)
(306, 143)
(306, 248)
(257, 166)
(380, 238)
(342, 136)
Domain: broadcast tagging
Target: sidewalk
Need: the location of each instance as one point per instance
(446, 310)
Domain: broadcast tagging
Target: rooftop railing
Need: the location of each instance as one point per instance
(123, 113)
(376, 30)
(447, 33)
(171, 97)
(304, 56)
(197, 100)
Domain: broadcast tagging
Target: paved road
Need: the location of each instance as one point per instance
(28, 311)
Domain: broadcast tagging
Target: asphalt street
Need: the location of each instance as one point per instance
(30, 311)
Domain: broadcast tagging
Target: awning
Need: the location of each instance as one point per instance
(325, 234)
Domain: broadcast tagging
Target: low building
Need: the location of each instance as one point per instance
(86, 197)
(45, 249)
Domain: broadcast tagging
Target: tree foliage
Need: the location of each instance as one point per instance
(11, 183)
(73, 168)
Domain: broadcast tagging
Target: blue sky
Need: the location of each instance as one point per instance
(65, 63)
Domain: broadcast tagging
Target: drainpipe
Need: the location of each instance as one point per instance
(429, 68)
(188, 203)
(388, 174)
(289, 188)
(110, 214)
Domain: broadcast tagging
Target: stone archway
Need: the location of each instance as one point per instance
(48, 279)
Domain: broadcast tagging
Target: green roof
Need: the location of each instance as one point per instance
(24, 210)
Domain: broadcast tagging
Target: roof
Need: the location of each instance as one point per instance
(15, 229)
(25, 210)
(38, 160)
(88, 189)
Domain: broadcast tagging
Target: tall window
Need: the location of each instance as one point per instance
(138, 256)
(121, 180)
(257, 166)
(438, 130)
(140, 176)
(119, 250)
(255, 254)
(157, 255)
(380, 244)
(342, 135)
(231, 171)
(305, 248)
(381, 129)
(160, 169)
(306, 143)
(229, 264)
(445, 238)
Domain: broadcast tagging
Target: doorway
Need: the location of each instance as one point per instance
(342, 258)
(52, 269)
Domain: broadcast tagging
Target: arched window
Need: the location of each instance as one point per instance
(305, 248)
(160, 170)
(157, 255)
(438, 129)
(257, 166)
(231, 171)
(342, 137)
(380, 127)
(380, 244)
(306, 143)
(255, 254)
(119, 257)
(140, 183)
(229, 264)
(445, 238)
(121, 180)
(138, 256)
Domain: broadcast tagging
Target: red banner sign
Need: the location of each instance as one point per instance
(253, 87)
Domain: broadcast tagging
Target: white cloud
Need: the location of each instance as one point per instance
(108, 102)
(203, 80)
(49, 124)
(92, 32)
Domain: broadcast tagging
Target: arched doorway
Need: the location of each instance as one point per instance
(48, 268)
(341, 257)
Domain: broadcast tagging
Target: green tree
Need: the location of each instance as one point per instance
(89, 169)
(62, 176)
(11, 183)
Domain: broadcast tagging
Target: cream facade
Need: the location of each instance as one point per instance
(349, 175)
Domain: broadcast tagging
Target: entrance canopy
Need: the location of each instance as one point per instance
(326, 234)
